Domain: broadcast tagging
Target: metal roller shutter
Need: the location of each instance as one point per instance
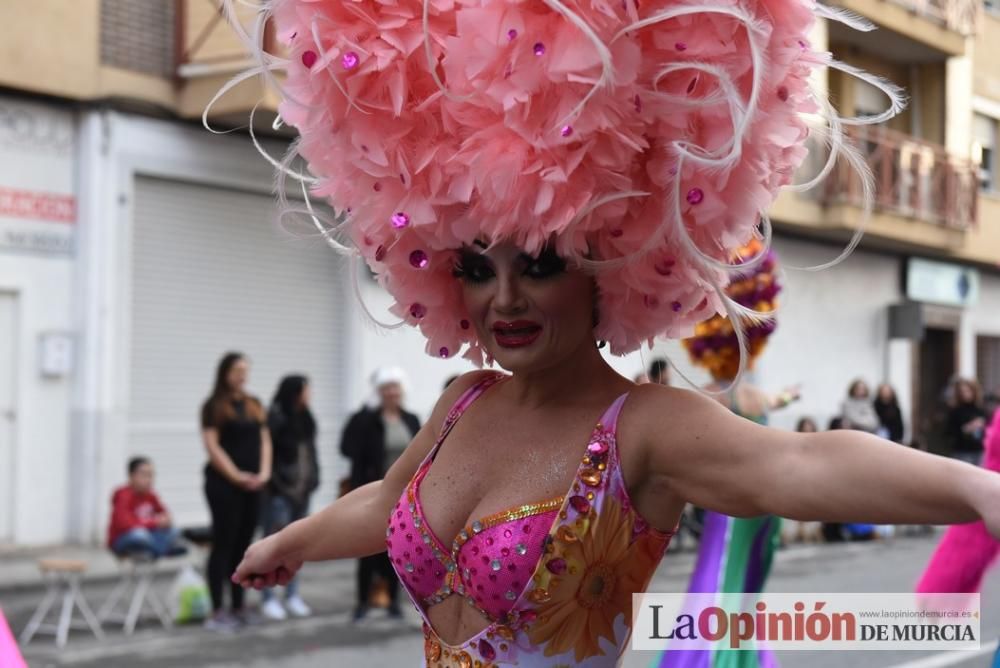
(213, 272)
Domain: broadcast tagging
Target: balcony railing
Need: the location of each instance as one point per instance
(961, 16)
(913, 178)
(206, 43)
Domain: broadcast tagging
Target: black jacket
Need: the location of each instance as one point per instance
(363, 442)
(292, 438)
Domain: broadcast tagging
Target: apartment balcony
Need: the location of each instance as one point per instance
(926, 199)
(210, 54)
(914, 179)
(932, 26)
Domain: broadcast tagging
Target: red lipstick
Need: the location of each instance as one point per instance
(517, 334)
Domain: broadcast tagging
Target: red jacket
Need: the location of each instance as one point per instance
(131, 510)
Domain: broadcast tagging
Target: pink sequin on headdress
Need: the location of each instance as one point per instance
(638, 134)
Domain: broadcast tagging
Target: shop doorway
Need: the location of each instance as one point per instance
(935, 368)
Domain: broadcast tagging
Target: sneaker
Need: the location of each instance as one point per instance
(273, 610)
(360, 612)
(222, 622)
(297, 607)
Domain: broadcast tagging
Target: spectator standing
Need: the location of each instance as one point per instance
(659, 372)
(858, 411)
(235, 435)
(966, 421)
(373, 440)
(889, 415)
(294, 478)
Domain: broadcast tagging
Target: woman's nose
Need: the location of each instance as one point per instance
(509, 297)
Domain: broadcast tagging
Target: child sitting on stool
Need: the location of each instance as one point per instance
(140, 524)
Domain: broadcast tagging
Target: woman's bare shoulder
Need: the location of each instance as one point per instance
(453, 393)
(653, 410)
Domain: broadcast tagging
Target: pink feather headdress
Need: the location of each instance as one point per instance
(644, 138)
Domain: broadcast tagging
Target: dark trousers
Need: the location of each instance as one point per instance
(234, 519)
(368, 568)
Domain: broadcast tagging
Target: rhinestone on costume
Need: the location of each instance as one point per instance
(418, 259)
(597, 448)
(464, 535)
(433, 650)
(590, 477)
(539, 49)
(505, 633)
(681, 46)
(495, 564)
(477, 526)
(464, 324)
(695, 196)
(451, 567)
(512, 34)
(309, 59)
(521, 549)
(556, 566)
(464, 660)
(418, 311)
(350, 60)
(409, 567)
(783, 93)
(509, 595)
(539, 596)
(580, 504)
(486, 650)
(377, 187)
(401, 220)
(416, 522)
(566, 131)
(566, 535)
(676, 306)
(444, 352)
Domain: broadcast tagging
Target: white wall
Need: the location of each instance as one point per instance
(37, 155)
(981, 320)
(832, 328)
(41, 431)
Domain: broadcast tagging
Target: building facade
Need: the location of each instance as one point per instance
(136, 248)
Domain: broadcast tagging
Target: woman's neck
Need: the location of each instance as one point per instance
(581, 371)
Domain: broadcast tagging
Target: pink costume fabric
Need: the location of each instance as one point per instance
(642, 140)
(966, 551)
(554, 577)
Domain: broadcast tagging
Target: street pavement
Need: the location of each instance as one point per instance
(330, 640)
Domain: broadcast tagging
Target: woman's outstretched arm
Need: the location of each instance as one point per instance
(723, 462)
(353, 525)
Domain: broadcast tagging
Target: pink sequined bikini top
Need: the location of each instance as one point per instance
(491, 561)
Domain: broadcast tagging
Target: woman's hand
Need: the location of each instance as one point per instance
(267, 563)
(249, 481)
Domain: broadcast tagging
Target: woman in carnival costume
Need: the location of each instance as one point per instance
(735, 554)
(966, 551)
(527, 180)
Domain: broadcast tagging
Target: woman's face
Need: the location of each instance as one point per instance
(305, 397)
(885, 393)
(529, 312)
(966, 394)
(807, 426)
(236, 379)
(391, 395)
(859, 390)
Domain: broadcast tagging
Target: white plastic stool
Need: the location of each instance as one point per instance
(63, 579)
(138, 571)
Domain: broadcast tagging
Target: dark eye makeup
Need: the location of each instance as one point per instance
(473, 267)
